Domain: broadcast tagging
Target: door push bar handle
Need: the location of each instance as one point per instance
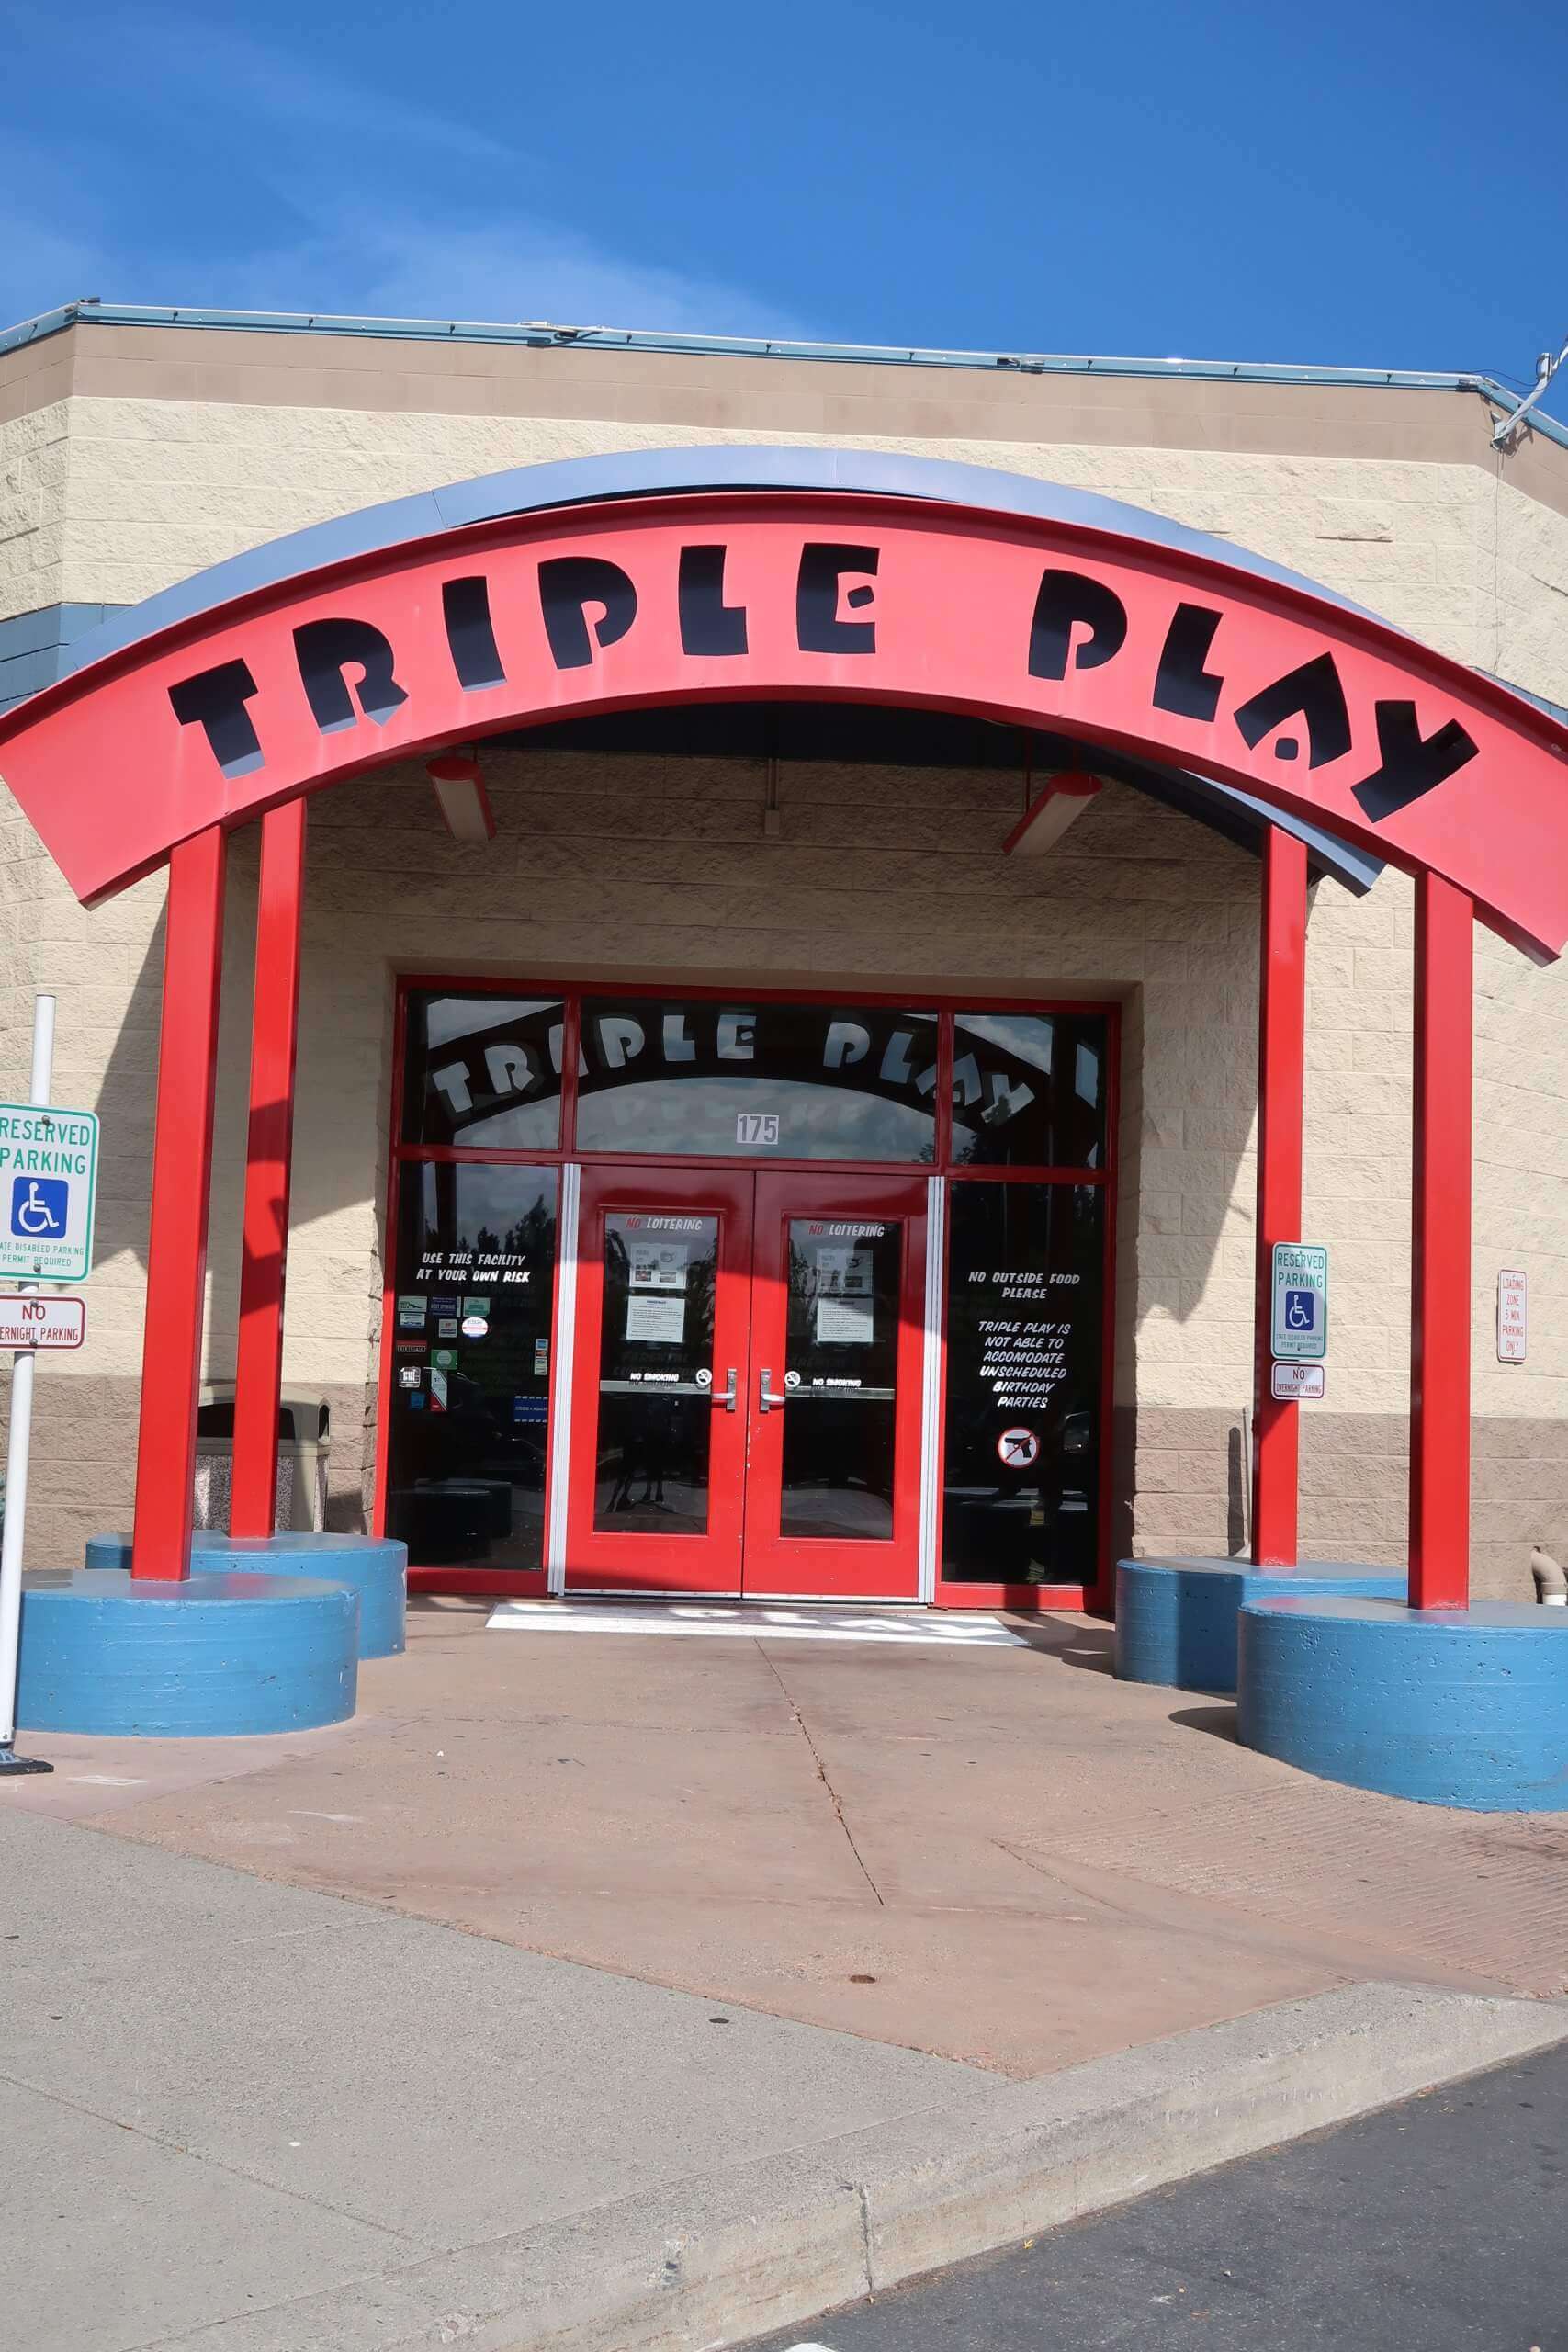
(727, 1397)
(765, 1397)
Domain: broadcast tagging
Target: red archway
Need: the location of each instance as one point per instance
(1171, 655)
(1170, 650)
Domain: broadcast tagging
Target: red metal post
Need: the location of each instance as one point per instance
(275, 1028)
(1440, 1267)
(181, 1174)
(1282, 1049)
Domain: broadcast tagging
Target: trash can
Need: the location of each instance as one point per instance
(304, 1442)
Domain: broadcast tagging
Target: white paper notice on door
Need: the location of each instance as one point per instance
(660, 1265)
(843, 1322)
(843, 1273)
(650, 1315)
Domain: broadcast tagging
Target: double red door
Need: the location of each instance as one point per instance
(746, 1405)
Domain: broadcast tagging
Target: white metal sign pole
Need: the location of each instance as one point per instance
(16, 1452)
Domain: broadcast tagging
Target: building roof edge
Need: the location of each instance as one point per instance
(542, 334)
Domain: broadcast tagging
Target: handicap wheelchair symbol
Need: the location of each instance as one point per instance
(39, 1205)
(1299, 1311)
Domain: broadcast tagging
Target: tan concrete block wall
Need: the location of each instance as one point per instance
(599, 868)
(637, 867)
(34, 449)
(158, 489)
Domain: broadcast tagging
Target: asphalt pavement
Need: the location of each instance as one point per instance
(1439, 2226)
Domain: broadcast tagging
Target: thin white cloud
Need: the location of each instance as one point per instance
(511, 270)
(499, 272)
(357, 201)
(211, 75)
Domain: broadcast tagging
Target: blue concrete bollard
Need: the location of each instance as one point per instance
(215, 1656)
(1175, 1620)
(374, 1568)
(1463, 1707)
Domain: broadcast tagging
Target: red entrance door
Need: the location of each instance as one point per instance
(745, 1404)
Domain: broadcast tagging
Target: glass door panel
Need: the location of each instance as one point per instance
(841, 1380)
(656, 1374)
(837, 1347)
(470, 1339)
(658, 1445)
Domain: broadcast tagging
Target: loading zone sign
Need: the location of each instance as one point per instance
(1300, 1321)
(48, 1176)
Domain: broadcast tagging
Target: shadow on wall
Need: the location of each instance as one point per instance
(1238, 1497)
(1181, 1469)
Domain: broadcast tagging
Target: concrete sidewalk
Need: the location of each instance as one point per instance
(243, 2118)
(1000, 1856)
(609, 1994)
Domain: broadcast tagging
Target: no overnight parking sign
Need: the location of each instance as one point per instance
(48, 1176)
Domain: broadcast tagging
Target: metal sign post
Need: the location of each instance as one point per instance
(17, 1446)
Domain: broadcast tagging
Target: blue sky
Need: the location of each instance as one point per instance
(1358, 181)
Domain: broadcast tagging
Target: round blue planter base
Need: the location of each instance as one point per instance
(215, 1656)
(1462, 1707)
(375, 1568)
(1175, 1620)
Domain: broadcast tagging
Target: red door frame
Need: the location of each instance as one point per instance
(820, 1568)
(598, 1561)
(572, 986)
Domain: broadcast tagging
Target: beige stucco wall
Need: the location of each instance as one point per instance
(33, 451)
(613, 868)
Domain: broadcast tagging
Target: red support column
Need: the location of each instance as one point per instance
(275, 1028)
(1439, 1256)
(1282, 1049)
(181, 1174)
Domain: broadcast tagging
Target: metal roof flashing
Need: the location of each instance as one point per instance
(542, 334)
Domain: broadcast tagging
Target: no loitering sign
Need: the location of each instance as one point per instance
(41, 1322)
(49, 1179)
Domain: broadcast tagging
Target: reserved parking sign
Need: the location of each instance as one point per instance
(49, 1179)
(1300, 1321)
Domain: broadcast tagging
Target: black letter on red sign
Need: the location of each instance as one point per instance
(1411, 766)
(707, 624)
(568, 585)
(323, 650)
(1069, 600)
(215, 701)
(1181, 683)
(1313, 692)
(465, 607)
(818, 628)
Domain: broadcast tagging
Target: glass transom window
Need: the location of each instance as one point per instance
(738, 1079)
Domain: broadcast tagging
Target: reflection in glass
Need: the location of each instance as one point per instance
(1029, 1089)
(483, 1071)
(732, 1079)
(471, 1343)
(656, 1375)
(839, 1377)
(1024, 1293)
